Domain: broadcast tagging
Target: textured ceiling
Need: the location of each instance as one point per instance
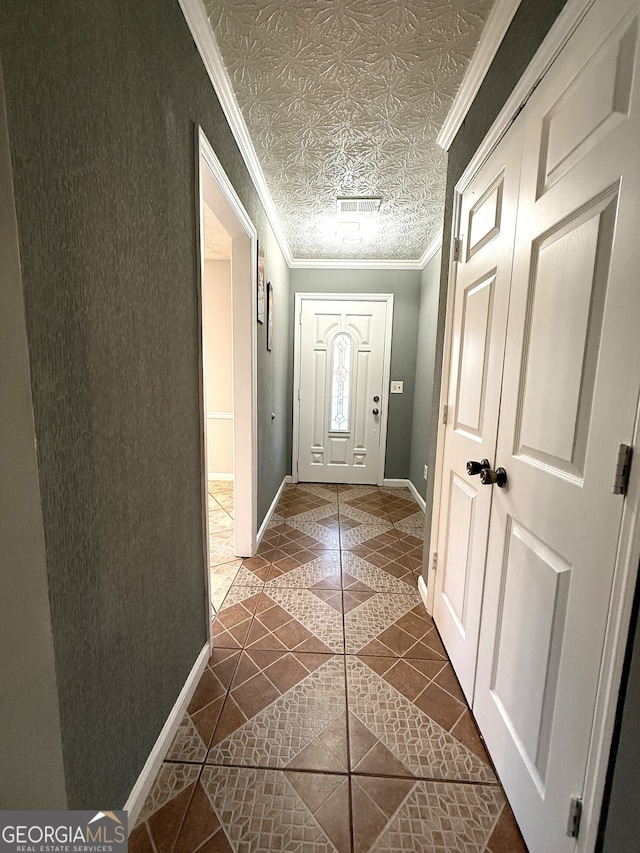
(345, 98)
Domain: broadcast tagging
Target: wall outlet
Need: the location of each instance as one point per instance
(426, 468)
(397, 387)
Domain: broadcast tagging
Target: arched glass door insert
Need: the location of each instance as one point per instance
(340, 383)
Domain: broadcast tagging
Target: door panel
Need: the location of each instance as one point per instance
(570, 392)
(341, 353)
(567, 292)
(475, 375)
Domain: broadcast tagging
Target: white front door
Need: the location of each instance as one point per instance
(342, 358)
(481, 302)
(570, 394)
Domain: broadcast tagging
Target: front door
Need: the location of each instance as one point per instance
(342, 357)
(570, 394)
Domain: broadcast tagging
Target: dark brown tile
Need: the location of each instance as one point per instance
(372, 799)
(255, 694)
(506, 837)
(200, 823)
(440, 706)
(139, 840)
(164, 824)
(465, 730)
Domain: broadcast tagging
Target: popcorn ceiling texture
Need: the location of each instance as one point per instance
(346, 97)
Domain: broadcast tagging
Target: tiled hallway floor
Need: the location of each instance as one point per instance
(328, 717)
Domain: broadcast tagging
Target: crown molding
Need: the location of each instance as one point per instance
(353, 264)
(204, 38)
(494, 30)
(434, 246)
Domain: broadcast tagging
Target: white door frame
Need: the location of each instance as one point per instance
(386, 373)
(214, 185)
(628, 558)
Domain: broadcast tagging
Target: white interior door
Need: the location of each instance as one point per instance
(570, 393)
(343, 350)
(481, 301)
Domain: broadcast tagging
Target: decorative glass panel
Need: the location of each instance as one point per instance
(340, 383)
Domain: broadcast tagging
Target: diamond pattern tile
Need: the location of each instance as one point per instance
(391, 734)
(284, 710)
(267, 810)
(328, 716)
(298, 619)
(430, 817)
(391, 624)
(304, 567)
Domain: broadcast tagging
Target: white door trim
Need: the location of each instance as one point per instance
(230, 210)
(386, 374)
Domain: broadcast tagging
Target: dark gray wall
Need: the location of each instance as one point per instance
(32, 774)
(425, 358)
(274, 391)
(405, 285)
(620, 829)
(102, 103)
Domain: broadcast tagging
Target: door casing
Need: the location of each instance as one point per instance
(214, 185)
(343, 297)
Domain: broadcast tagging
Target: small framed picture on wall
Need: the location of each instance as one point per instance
(261, 285)
(269, 316)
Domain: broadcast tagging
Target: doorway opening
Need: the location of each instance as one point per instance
(228, 252)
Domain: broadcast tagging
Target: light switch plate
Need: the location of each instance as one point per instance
(397, 387)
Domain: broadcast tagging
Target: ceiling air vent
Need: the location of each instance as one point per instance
(359, 205)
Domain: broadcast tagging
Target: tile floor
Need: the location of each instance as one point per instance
(328, 717)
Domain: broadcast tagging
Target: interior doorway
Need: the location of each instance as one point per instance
(228, 253)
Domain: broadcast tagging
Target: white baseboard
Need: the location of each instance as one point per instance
(407, 484)
(149, 772)
(270, 512)
(422, 589)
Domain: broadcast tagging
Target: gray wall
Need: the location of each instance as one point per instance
(425, 359)
(102, 104)
(405, 285)
(274, 391)
(30, 744)
(530, 24)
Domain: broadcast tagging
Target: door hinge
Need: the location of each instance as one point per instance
(434, 562)
(457, 248)
(623, 470)
(298, 393)
(575, 813)
(445, 415)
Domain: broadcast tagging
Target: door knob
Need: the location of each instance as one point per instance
(476, 467)
(489, 477)
(376, 399)
(375, 411)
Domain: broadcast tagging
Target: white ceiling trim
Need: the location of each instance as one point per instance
(202, 33)
(563, 27)
(494, 31)
(434, 246)
(354, 264)
(363, 264)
